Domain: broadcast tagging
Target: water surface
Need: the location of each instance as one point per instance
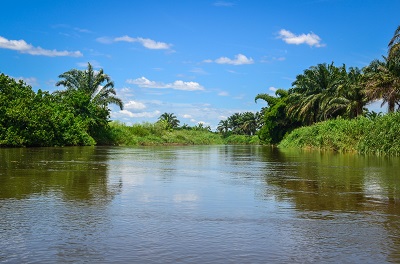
(202, 204)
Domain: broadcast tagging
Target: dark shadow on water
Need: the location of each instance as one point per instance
(75, 173)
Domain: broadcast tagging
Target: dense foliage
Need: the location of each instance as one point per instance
(276, 120)
(37, 119)
(325, 108)
(326, 92)
(74, 116)
(246, 123)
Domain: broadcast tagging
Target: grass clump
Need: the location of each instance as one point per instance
(382, 136)
(379, 135)
(152, 134)
(242, 140)
(155, 134)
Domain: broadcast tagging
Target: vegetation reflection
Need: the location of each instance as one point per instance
(319, 181)
(75, 173)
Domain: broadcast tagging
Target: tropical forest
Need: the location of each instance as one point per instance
(325, 109)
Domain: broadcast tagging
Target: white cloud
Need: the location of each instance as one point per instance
(147, 43)
(310, 39)
(23, 47)
(187, 116)
(95, 64)
(223, 93)
(141, 115)
(177, 85)
(32, 81)
(135, 105)
(239, 59)
(273, 89)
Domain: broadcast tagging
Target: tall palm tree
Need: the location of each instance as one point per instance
(382, 81)
(223, 126)
(95, 84)
(249, 123)
(170, 119)
(310, 89)
(235, 122)
(394, 45)
(349, 99)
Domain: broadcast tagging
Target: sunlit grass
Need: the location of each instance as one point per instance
(154, 134)
(379, 135)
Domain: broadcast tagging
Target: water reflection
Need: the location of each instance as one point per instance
(359, 194)
(319, 181)
(200, 204)
(52, 203)
(76, 173)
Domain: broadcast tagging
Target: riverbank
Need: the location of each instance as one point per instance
(153, 134)
(378, 135)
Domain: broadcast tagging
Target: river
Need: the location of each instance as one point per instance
(197, 204)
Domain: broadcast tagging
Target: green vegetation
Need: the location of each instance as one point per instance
(38, 119)
(79, 115)
(246, 123)
(378, 135)
(150, 134)
(75, 116)
(326, 107)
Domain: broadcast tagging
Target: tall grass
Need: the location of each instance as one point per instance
(151, 134)
(380, 135)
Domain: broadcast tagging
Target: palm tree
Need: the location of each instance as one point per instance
(249, 123)
(223, 126)
(349, 99)
(90, 83)
(170, 120)
(88, 94)
(382, 81)
(235, 122)
(316, 85)
(394, 45)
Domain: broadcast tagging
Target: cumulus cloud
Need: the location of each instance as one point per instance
(23, 47)
(145, 42)
(273, 89)
(135, 105)
(141, 114)
(239, 59)
(176, 85)
(32, 81)
(310, 39)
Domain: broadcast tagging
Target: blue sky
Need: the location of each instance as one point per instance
(201, 60)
